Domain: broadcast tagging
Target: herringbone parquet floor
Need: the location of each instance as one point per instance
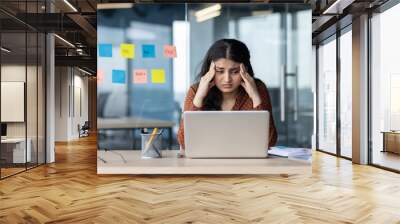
(70, 191)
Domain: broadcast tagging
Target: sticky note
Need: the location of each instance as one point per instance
(158, 76)
(118, 76)
(100, 76)
(105, 50)
(169, 51)
(127, 51)
(140, 76)
(148, 51)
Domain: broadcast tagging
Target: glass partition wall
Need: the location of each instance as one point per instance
(277, 35)
(22, 77)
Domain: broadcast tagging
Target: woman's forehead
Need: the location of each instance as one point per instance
(226, 63)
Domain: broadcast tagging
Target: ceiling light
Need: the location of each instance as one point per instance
(84, 71)
(115, 6)
(208, 10)
(208, 16)
(261, 13)
(5, 50)
(338, 6)
(65, 41)
(70, 5)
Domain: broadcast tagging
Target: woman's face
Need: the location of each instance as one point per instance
(227, 75)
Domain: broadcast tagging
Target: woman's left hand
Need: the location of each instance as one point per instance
(250, 86)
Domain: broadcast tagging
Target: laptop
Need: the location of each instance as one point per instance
(226, 134)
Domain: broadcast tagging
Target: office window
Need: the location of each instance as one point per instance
(385, 87)
(346, 94)
(327, 96)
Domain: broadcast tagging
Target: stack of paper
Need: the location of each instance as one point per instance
(302, 154)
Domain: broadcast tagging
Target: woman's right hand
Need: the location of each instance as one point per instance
(206, 83)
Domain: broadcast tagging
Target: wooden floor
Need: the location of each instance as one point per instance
(70, 191)
(5, 172)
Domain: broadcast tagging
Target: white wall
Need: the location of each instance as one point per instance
(79, 117)
(14, 73)
(33, 125)
(71, 94)
(61, 103)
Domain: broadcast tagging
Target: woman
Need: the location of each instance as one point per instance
(226, 82)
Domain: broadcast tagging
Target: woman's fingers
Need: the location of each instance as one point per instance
(242, 73)
(243, 68)
(246, 76)
(245, 72)
(212, 67)
(211, 71)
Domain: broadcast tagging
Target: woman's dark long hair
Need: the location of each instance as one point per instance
(229, 49)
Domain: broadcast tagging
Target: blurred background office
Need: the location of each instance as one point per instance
(277, 35)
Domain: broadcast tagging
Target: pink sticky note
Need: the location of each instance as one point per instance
(169, 51)
(100, 76)
(140, 76)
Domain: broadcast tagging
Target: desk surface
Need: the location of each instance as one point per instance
(390, 132)
(13, 140)
(127, 123)
(170, 164)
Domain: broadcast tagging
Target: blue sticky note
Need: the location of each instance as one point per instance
(148, 51)
(118, 76)
(105, 50)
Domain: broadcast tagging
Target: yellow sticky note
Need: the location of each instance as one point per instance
(158, 76)
(127, 50)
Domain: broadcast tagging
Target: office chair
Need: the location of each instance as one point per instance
(84, 130)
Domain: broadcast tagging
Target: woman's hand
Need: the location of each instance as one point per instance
(250, 86)
(206, 83)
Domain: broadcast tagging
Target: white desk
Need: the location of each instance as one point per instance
(170, 164)
(18, 150)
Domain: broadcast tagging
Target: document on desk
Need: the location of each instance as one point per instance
(301, 154)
